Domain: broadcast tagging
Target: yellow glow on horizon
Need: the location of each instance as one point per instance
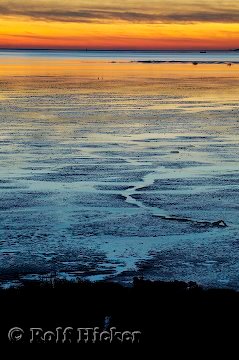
(100, 28)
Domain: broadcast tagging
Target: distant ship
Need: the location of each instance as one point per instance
(203, 52)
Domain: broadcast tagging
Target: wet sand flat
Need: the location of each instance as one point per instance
(111, 170)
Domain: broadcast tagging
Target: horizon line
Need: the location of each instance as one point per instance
(88, 50)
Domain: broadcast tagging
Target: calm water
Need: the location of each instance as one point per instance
(209, 56)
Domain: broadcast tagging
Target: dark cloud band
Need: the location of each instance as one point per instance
(106, 15)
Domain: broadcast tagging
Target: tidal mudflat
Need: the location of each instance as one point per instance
(114, 170)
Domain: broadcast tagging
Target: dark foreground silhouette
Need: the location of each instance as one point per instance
(163, 314)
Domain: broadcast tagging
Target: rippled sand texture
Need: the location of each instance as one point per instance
(115, 170)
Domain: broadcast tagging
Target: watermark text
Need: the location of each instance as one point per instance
(70, 335)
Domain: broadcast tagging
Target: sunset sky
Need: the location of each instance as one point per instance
(111, 24)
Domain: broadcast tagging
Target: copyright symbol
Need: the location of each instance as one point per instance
(15, 334)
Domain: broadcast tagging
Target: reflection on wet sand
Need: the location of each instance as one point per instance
(92, 151)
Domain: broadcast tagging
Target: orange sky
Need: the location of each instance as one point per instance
(129, 24)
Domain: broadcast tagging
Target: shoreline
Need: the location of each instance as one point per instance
(193, 62)
(12, 282)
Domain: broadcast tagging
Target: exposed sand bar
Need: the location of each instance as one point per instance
(97, 157)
